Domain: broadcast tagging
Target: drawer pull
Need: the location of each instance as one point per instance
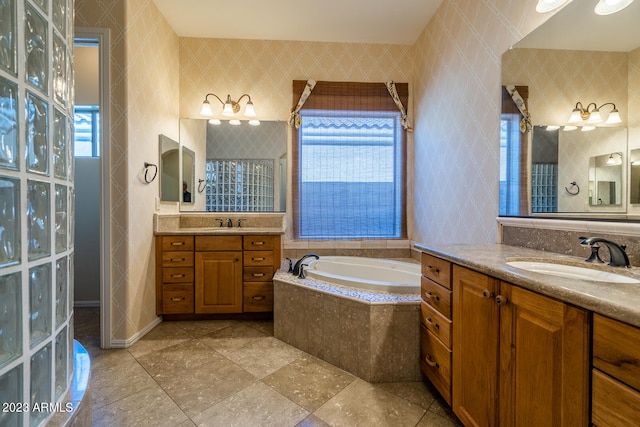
(431, 362)
(258, 259)
(431, 322)
(178, 259)
(430, 295)
(501, 300)
(175, 276)
(258, 274)
(258, 297)
(487, 294)
(178, 243)
(175, 299)
(258, 243)
(434, 270)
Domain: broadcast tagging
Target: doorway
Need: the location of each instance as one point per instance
(92, 260)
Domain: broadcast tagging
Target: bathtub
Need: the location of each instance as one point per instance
(371, 274)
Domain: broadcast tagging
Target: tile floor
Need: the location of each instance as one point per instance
(235, 373)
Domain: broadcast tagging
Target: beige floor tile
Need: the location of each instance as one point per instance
(256, 405)
(264, 356)
(264, 326)
(364, 404)
(309, 382)
(431, 419)
(149, 407)
(162, 336)
(232, 338)
(119, 381)
(178, 358)
(312, 421)
(197, 328)
(419, 393)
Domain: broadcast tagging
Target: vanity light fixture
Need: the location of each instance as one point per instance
(545, 6)
(607, 7)
(612, 161)
(230, 108)
(592, 115)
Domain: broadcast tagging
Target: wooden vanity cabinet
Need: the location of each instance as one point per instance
(615, 376)
(436, 325)
(218, 274)
(519, 358)
(215, 274)
(261, 259)
(174, 272)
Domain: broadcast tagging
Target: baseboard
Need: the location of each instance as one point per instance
(141, 333)
(86, 303)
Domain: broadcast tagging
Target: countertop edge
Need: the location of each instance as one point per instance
(219, 232)
(617, 301)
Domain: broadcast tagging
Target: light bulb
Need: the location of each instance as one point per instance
(614, 117)
(595, 117)
(215, 122)
(587, 128)
(254, 122)
(607, 7)
(545, 6)
(234, 122)
(206, 109)
(569, 128)
(249, 111)
(575, 116)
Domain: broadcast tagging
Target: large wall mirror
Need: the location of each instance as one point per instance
(242, 168)
(550, 170)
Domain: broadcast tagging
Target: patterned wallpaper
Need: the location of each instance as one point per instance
(457, 99)
(144, 104)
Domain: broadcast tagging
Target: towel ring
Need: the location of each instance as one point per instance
(200, 186)
(146, 170)
(573, 193)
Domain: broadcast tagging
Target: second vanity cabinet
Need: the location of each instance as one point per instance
(215, 274)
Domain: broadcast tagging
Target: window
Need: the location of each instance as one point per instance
(349, 156)
(87, 131)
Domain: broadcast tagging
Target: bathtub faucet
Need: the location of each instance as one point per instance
(297, 267)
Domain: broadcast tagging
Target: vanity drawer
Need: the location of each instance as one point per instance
(258, 297)
(613, 403)
(257, 274)
(177, 243)
(437, 270)
(177, 299)
(435, 362)
(436, 296)
(616, 349)
(436, 323)
(258, 258)
(259, 243)
(177, 259)
(177, 275)
(218, 243)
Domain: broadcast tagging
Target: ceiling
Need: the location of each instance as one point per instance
(346, 21)
(577, 27)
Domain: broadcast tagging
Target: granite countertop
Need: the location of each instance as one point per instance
(220, 231)
(619, 301)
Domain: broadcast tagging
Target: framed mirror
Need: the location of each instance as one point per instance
(244, 168)
(169, 169)
(558, 65)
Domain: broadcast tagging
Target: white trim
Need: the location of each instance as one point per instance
(102, 35)
(131, 341)
(588, 227)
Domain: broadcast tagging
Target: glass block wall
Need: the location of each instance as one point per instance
(239, 185)
(36, 215)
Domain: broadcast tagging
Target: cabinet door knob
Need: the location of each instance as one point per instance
(487, 294)
(500, 300)
(429, 359)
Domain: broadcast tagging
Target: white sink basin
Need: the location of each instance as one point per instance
(572, 272)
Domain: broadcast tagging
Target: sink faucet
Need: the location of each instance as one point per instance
(297, 266)
(617, 254)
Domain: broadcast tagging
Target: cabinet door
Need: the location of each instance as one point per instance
(475, 347)
(544, 360)
(218, 283)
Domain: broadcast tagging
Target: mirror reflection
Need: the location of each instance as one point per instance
(169, 169)
(634, 180)
(244, 167)
(188, 169)
(552, 169)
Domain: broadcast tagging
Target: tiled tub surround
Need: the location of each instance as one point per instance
(620, 301)
(374, 336)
